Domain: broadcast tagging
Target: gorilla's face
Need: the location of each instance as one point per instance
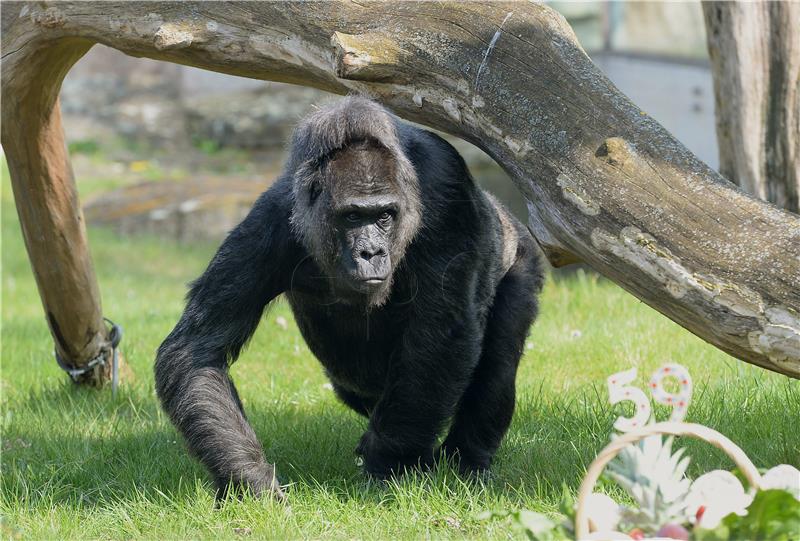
(364, 226)
(360, 212)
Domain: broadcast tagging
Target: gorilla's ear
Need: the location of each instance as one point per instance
(314, 189)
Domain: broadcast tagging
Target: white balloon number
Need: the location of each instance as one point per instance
(680, 400)
(620, 391)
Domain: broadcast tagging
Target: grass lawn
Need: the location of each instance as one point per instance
(82, 464)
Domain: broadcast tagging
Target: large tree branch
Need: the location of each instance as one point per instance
(606, 184)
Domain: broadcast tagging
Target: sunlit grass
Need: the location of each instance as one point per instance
(83, 464)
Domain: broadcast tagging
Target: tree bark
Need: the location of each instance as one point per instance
(755, 56)
(605, 183)
(48, 207)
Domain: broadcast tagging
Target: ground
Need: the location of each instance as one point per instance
(82, 464)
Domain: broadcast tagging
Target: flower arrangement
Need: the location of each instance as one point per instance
(668, 504)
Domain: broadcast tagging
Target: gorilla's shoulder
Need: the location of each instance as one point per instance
(433, 157)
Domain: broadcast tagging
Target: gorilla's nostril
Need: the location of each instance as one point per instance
(367, 255)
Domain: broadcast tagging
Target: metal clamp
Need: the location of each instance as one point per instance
(114, 336)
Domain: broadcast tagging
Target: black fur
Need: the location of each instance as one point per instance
(436, 341)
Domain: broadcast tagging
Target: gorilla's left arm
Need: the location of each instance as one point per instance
(223, 309)
(440, 349)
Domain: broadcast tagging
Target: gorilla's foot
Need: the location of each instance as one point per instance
(469, 460)
(380, 461)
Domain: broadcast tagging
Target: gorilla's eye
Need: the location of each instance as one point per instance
(353, 217)
(386, 219)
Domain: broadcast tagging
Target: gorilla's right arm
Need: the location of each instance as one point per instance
(223, 309)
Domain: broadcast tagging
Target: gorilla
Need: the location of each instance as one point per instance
(413, 287)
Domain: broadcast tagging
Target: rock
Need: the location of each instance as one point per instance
(205, 209)
(255, 119)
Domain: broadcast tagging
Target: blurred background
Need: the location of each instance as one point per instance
(182, 153)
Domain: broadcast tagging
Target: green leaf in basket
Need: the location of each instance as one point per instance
(720, 533)
(773, 515)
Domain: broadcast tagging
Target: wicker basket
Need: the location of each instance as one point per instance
(667, 428)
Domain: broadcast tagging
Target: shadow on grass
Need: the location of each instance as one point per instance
(74, 447)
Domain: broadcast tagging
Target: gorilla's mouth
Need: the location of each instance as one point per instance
(369, 275)
(369, 285)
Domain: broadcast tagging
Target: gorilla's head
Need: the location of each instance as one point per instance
(356, 198)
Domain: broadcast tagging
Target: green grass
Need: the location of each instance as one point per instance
(78, 463)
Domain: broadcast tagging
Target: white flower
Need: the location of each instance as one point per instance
(602, 512)
(784, 477)
(720, 493)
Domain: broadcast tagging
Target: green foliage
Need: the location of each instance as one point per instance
(206, 146)
(84, 146)
(773, 515)
(534, 526)
(567, 505)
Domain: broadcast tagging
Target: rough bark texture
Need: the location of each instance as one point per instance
(47, 203)
(755, 55)
(605, 183)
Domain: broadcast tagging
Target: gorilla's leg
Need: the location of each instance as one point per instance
(359, 404)
(422, 391)
(485, 410)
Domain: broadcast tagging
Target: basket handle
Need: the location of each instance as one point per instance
(673, 429)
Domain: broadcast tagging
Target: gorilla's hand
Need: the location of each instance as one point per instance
(381, 460)
(258, 482)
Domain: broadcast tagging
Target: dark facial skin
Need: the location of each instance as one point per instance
(365, 211)
(364, 227)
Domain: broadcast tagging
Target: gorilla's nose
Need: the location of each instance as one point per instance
(368, 254)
